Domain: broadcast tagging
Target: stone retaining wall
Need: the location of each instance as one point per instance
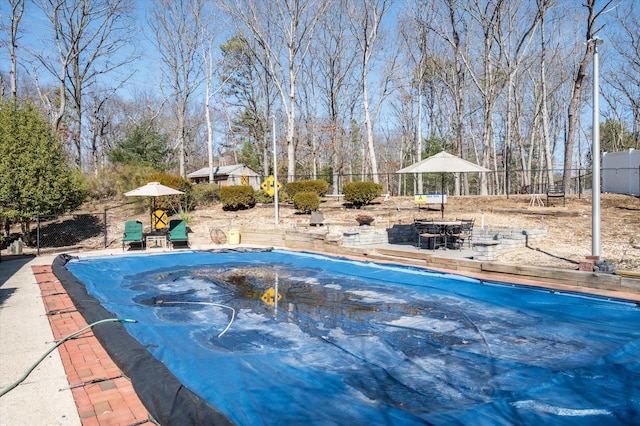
(488, 244)
(331, 242)
(364, 235)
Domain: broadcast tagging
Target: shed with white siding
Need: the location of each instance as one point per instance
(237, 174)
(621, 172)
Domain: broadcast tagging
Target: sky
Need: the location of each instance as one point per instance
(36, 34)
(146, 69)
(36, 37)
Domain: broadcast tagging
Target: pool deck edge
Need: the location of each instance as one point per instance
(77, 383)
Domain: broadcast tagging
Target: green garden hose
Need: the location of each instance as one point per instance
(61, 341)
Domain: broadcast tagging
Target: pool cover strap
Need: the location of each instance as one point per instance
(166, 399)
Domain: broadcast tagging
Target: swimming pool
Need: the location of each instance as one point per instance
(289, 338)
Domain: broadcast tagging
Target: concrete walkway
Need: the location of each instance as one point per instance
(44, 397)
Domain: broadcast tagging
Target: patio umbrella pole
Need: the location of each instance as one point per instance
(152, 206)
(153, 189)
(442, 197)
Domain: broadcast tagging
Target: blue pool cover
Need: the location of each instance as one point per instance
(282, 338)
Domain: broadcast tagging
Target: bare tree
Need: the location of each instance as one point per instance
(88, 34)
(335, 61)
(177, 36)
(626, 79)
(490, 81)
(284, 29)
(415, 34)
(453, 32)
(576, 92)
(211, 70)
(515, 41)
(17, 9)
(366, 19)
(544, 110)
(100, 118)
(308, 100)
(250, 90)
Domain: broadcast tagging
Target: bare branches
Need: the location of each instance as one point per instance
(178, 38)
(284, 29)
(87, 34)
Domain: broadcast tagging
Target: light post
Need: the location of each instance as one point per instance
(595, 152)
(275, 173)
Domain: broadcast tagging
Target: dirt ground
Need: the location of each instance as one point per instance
(568, 239)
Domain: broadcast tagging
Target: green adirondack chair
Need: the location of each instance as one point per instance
(133, 233)
(178, 232)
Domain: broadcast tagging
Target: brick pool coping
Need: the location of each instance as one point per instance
(103, 395)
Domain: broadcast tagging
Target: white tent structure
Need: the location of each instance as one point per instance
(442, 163)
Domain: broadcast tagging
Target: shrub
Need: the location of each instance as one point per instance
(205, 194)
(306, 202)
(361, 193)
(320, 187)
(262, 197)
(292, 188)
(237, 197)
(172, 203)
(186, 216)
(103, 187)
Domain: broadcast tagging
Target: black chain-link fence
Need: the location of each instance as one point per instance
(68, 231)
(406, 184)
(90, 231)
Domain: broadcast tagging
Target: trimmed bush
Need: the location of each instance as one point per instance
(320, 187)
(361, 193)
(306, 202)
(262, 197)
(205, 194)
(237, 197)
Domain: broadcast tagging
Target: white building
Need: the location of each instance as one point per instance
(237, 174)
(621, 172)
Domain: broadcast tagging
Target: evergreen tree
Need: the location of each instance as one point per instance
(144, 146)
(35, 173)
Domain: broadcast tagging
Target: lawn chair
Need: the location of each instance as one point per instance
(178, 232)
(427, 230)
(133, 233)
(466, 230)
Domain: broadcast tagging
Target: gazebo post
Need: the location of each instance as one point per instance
(442, 196)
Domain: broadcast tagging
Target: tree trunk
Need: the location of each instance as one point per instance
(544, 112)
(17, 9)
(574, 105)
(369, 126)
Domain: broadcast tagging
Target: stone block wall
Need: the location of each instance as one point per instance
(364, 235)
(401, 233)
(488, 244)
(397, 234)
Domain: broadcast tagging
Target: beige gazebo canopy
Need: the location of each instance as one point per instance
(442, 163)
